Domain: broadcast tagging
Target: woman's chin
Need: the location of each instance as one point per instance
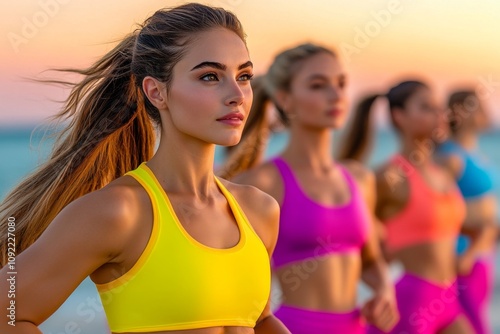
(232, 141)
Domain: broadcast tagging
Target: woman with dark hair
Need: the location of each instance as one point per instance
(459, 155)
(421, 209)
(171, 247)
(327, 241)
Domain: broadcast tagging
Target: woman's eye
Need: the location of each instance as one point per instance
(246, 77)
(209, 77)
(427, 107)
(317, 86)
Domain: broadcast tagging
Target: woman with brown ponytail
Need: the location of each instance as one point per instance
(169, 245)
(326, 242)
(421, 209)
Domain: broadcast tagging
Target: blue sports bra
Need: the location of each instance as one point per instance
(476, 179)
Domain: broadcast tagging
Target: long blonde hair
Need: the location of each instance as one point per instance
(112, 123)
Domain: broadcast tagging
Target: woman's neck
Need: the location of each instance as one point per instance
(184, 165)
(418, 151)
(466, 139)
(310, 148)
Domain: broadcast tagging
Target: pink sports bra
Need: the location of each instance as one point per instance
(309, 229)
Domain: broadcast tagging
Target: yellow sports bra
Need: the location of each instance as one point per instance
(178, 283)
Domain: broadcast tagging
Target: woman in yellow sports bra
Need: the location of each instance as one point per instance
(171, 247)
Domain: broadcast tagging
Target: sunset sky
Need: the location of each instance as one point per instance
(447, 43)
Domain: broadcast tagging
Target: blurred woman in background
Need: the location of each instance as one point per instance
(327, 241)
(460, 156)
(421, 209)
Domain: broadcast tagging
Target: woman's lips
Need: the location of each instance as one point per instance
(233, 119)
(334, 112)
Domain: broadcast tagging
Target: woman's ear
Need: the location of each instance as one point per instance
(398, 116)
(155, 91)
(282, 100)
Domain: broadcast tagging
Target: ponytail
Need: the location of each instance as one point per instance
(360, 133)
(251, 148)
(112, 123)
(109, 134)
(361, 130)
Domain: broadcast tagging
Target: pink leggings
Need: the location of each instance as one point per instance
(476, 290)
(302, 321)
(424, 307)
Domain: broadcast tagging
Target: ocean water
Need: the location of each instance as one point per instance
(82, 312)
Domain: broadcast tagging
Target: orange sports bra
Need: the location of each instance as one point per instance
(428, 215)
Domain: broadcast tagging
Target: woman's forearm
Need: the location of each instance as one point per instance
(376, 276)
(21, 327)
(482, 238)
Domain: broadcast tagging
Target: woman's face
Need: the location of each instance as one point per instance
(210, 95)
(422, 117)
(471, 115)
(317, 95)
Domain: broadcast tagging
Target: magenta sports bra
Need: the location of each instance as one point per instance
(309, 229)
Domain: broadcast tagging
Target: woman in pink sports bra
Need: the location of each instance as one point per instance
(326, 241)
(421, 208)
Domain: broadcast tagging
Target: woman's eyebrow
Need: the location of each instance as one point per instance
(317, 77)
(220, 66)
(247, 64)
(324, 77)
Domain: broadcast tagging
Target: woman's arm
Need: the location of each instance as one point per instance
(263, 213)
(482, 236)
(268, 228)
(270, 325)
(483, 233)
(267, 322)
(75, 244)
(381, 309)
(375, 271)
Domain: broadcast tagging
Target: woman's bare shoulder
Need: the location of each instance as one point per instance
(260, 208)
(265, 177)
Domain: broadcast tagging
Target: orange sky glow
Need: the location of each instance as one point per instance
(447, 43)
